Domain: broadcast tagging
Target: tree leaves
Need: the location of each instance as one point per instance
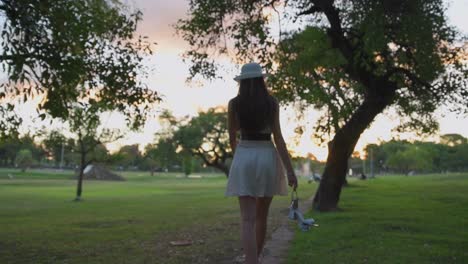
(343, 54)
(204, 136)
(73, 51)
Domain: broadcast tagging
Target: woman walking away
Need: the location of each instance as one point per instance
(257, 171)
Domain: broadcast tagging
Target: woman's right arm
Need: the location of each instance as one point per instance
(233, 126)
(282, 150)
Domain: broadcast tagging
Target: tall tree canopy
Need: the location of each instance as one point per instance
(351, 59)
(68, 51)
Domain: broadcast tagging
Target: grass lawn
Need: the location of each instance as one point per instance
(119, 222)
(393, 219)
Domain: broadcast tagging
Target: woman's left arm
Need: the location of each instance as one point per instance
(233, 126)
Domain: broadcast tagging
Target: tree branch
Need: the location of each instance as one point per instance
(24, 56)
(314, 9)
(338, 39)
(199, 154)
(215, 153)
(335, 32)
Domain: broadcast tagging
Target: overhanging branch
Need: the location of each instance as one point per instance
(314, 9)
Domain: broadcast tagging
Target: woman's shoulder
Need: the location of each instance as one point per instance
(232, 102)
(232, 99)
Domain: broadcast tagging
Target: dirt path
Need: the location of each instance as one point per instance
(276, 249)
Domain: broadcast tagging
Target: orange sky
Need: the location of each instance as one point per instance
(183, 99)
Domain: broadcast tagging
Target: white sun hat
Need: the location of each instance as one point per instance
(250, 70)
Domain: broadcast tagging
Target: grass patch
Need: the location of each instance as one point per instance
(392, 219)
(123, 222)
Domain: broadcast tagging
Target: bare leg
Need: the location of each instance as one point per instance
(249, 242)
(263, 205)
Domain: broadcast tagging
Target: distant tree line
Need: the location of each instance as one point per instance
(400, 156)
(187, 144)
(198, 144)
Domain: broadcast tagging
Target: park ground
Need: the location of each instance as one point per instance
(390, 219)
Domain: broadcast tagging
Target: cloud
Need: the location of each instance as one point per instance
(159, 16)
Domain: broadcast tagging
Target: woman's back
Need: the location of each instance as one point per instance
(253, 106)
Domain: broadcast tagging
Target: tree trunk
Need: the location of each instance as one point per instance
(345, 183)
(79, 187)
(218, 163)
(342, 146)
(222, 167)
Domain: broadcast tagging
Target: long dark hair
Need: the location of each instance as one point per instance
(253, 105)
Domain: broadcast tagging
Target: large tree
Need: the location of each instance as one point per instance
(161, 154)
(350, 59)
(129, 156)
(24, 159)
(68, 51)
(11, 144)
(54, 143)
(203, 136)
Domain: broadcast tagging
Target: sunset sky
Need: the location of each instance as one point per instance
(184, 99)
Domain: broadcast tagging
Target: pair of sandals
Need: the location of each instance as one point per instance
(295, 214)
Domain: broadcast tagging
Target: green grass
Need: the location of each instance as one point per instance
(391, 219)
(118, 222)
(417, 219)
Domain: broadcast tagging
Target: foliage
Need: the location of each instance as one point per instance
(129, 156)
(8, 149)
(404, 156)
(162, 154)
(342, 51)
(413, 158)
(84, 122)
(187, 164)
(205, 136)
(9, 121)
(351, 59)
(24, 159)
(75, 51)
(54, 142)
(10, 145)
(453, 139)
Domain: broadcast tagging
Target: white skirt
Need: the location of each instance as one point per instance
(256, 170)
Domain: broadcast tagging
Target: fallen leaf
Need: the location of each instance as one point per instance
(181, 243)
